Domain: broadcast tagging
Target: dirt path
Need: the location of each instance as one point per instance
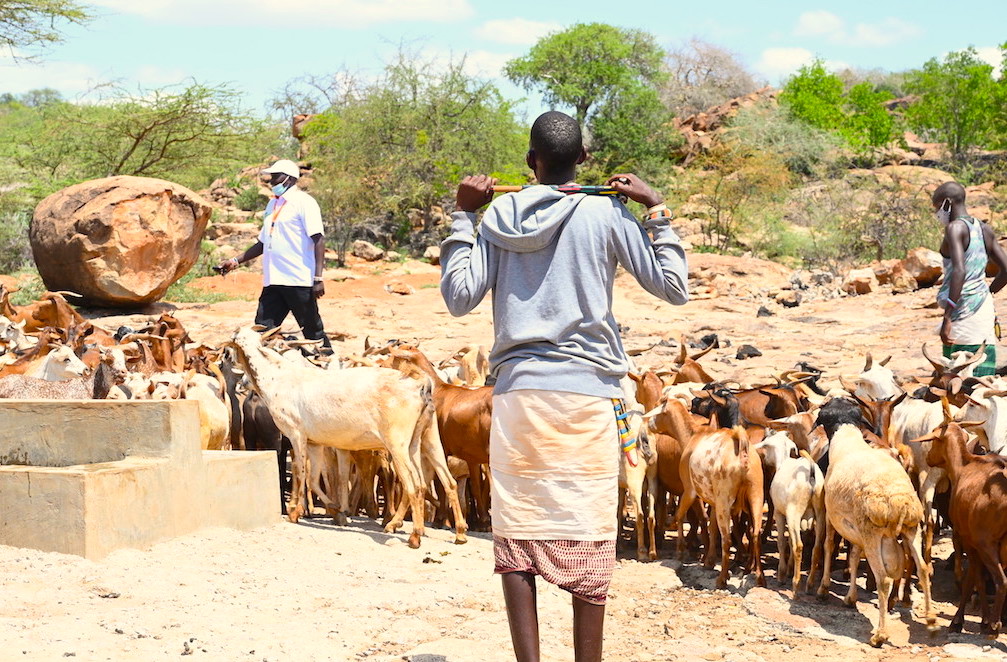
(315, 591)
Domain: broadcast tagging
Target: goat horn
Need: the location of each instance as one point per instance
(936, 364)
(868, 363)
(698, 355)
(884, 361)
(67, 293)
(682, 350)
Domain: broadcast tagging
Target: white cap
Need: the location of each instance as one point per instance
(285, 166)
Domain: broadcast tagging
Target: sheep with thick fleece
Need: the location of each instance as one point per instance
(798, 494)
(870, 502)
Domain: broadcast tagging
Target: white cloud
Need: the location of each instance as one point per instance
(517, 31)
(317, 13)
(776, 63)
(485, 64)
(818, 23)
(69, 78)
(993, 56)
(886, 33)
(832, 28)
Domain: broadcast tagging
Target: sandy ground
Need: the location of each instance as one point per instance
(315, 591)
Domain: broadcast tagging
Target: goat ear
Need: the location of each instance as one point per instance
(972, 424)
(956, 385)
(849, 387)
(777, 425)
(635, 377)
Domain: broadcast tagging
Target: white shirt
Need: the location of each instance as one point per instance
(288, 255)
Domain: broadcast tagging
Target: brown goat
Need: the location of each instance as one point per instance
(978, 511)
(463, 419)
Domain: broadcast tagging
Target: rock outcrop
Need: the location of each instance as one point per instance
(119, 241)
(925, 265)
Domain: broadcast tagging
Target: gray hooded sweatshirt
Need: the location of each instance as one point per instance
(550, 259)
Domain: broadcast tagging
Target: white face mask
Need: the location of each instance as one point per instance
(944, 213)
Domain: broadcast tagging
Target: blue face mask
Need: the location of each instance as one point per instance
(280, 189)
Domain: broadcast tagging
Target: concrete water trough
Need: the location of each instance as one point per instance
(90, 477)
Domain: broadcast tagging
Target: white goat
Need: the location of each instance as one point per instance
(59, 364)
(870, 502)
(13, 337)
(990, 406)
(876, 382)
(643, 476)
(351, 409)
(798, 494)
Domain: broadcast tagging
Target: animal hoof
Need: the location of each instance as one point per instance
(761, 581)
(294, 514)
(414, 541)
(878, 639)
(461, 539)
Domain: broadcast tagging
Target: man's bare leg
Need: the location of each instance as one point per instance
(588, 626)
(522, 614)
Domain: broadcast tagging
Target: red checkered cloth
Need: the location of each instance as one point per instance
(582, 567)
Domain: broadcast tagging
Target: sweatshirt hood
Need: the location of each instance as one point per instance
(528, 220)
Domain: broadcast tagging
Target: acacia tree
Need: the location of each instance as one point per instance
(189, 135)
(404, 141)
(958, 104)
(586, 64)
(700, 75)
(31, 23)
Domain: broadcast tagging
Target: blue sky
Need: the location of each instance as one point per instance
(258, 45)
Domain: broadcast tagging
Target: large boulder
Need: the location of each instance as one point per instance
(860, 281)
(119, 241)
(365, 250)
(923, 264)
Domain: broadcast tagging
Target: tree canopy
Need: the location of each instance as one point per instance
(584, 65)
(32, 23)
(959, 102)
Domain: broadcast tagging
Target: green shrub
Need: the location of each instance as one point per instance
(855, 222)
(15, 250)
(30, 287)
(249, 199)
(805, 150)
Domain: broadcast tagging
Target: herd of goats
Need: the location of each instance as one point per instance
(389, 433)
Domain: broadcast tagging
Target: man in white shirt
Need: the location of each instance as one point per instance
(292, 243)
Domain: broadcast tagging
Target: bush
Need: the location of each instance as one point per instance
(854, 222)
(805, 150)
(30, 287)
(249, 199)
(15, 250)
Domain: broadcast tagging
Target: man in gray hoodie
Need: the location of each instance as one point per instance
(550, 260)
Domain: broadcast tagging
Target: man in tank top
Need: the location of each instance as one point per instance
(969, 315)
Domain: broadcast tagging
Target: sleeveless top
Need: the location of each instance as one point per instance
(974, 289)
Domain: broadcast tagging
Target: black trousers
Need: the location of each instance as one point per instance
(278, 300)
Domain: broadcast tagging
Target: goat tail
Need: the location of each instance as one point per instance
(427, 393)
(741, 444)
(811, 475)
(427, 414)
